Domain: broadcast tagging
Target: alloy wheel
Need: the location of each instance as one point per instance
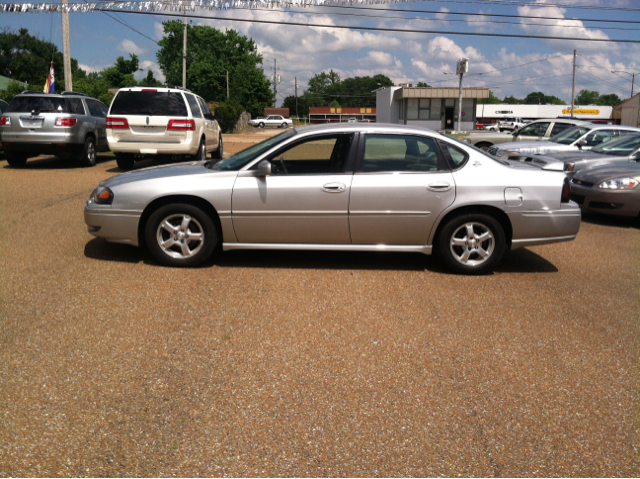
(472, 244)
(180, 236)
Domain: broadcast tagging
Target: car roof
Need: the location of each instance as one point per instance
(174, 89)
(382, 128)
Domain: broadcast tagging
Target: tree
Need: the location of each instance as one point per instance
(422, 84)
(26, 58)
(334, 104)
(511, 100)
(121, 74)
(96, 86)
(609, 100)
(212, 53)
(13, 88)
(539, 98)
(492, 100)
(149, 80)
(587, 97)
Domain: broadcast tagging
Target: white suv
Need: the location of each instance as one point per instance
(149, 122)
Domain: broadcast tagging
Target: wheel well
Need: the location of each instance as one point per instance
(196, 201)
(90, 134)
(483, 143)
(492, 211)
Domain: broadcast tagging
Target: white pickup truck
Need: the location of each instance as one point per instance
(272, 120)
(511, 123)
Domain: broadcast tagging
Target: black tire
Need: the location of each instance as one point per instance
(125, 161)
(218, 154)
(457, 229)
(260, 125)
(15, 159)
(484, 146)
(177, 247)
(202, 151)
(284, 125)
(88, 154)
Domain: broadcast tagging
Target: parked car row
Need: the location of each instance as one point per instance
(141, 122)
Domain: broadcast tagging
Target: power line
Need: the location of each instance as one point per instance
(479, 14)
(602, 80)
(520, 65)
(532, 4)
(385, 17)
(382, 29)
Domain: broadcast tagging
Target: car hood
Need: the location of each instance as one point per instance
(596, 175)
(163, 171)
(572, 156)
(534, 147)
(487, 136)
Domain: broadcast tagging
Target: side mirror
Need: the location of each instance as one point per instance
(264, 168)
(581, 143)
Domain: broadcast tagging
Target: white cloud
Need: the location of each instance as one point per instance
(158, 30)
(149, 65)
(128, 46)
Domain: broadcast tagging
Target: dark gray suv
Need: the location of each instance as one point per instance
(68, 124)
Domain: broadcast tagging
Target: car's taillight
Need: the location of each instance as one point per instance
(181, 125)
(117, 123)
(5, 121)
(65, 121)
(565, 191)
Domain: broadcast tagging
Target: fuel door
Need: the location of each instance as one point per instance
(513, 196)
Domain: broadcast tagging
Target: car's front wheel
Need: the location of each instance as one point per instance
(14, 159)
(472, 244)
(125, 161)
(260, 125)
(180, 235)
(217, 154)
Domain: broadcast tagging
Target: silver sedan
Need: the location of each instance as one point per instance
(348, 187)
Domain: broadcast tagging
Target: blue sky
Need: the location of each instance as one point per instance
(301, 51)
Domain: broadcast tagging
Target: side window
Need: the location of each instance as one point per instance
(599, 136)
(456, 156)
(535, 129)
(76, 107)
(400, 153)
(193, 104)
(324, 155)
(95, 108)
(558, 127)
(205, 108)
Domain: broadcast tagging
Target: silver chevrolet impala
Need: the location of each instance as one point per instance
(364, 187)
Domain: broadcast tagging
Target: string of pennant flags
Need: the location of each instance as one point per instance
(178, 5)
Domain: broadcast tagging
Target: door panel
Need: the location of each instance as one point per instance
(292, 209)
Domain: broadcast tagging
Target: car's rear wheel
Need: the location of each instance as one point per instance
(14, 159)
(180, 235)
(472, 244)
(284, 125)
(484, 146)
(217, 154)
(202, 151)
(88, 154)
(125, 161)
(260, 125)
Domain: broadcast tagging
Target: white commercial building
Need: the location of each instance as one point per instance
(493, 113)
(429, 107)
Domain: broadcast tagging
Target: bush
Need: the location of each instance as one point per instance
(228, 115)
(13, 88)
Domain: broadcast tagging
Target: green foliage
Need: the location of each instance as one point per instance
(319, 82)
(121, 74)
(511, 100)
(13, 88)
(492, 100)
(212, 53)
(96, 86)
(587, 97)
(228, 115)
(27, 58)
(334, 104)
(539, 98)
(149, 80)
(422, 84)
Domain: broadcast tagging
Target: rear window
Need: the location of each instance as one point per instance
(149, 103)
(41, 104)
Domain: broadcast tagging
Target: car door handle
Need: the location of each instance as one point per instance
(439, 186)
(334, 187)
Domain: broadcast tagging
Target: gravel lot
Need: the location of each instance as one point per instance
(307, 364)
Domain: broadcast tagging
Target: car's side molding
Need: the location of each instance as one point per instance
(424, 249)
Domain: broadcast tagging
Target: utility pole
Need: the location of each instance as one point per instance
(633, 77)
(461, 68)
(66, 48)
(227, 85)
(296, 86)
(573, 84)
(184, 52)
(275, 81)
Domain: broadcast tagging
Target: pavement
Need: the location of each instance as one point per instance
(307, 363)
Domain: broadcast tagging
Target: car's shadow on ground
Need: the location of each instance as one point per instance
(55, 163)
(519, 261)
(609, 220)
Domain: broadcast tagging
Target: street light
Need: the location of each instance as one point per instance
(633, 77)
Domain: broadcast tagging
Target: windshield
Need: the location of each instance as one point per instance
(41, 104)
(620, 147)
(567, 137)
(237, 161)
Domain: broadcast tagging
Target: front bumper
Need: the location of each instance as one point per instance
(117, 226)
(612, 202)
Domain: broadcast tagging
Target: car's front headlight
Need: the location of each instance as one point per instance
(102, 195)
(625, 183)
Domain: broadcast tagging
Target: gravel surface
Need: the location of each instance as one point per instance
(307, 364)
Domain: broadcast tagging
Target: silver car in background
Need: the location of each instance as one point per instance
(348, 187)
(580, 137)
